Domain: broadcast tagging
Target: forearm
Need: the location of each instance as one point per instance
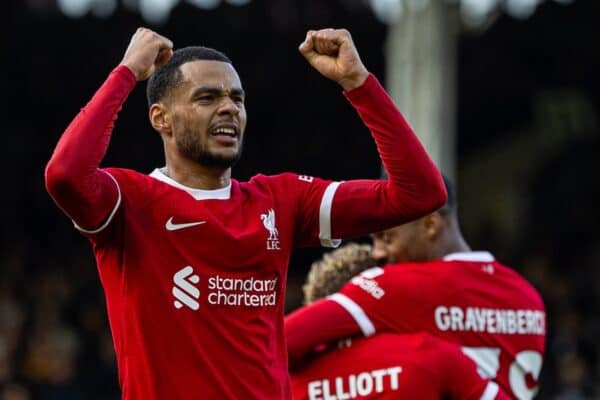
(415, 186)
(73, 178)
(321, 323)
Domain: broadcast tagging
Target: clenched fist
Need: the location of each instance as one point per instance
(333, 54)
(146, 52)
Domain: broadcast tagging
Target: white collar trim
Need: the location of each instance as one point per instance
(475, 256)
(198, 194)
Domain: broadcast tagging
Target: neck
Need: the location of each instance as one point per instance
(457, 245)
(452, 240)
(197, 176)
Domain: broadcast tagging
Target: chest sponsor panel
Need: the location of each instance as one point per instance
(192, 289)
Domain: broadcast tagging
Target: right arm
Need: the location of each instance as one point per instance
(74, 180)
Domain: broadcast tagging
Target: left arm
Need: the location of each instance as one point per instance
(414, 186)
(320, 323)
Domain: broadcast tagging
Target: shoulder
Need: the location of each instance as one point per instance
(411, 270)
(514, 279)
(290, 179)
(125, 176)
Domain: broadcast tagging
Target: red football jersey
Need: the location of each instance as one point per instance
(391, 366)
(467, 298)
(209, 269)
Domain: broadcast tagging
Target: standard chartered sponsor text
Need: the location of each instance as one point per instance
(249, 292)
(355, 385)
(490, 320)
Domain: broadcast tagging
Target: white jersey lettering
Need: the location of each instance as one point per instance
(477, 319)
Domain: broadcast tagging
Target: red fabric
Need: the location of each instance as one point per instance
(304, 329)
(85, 193)
(390, 366)
(414, 186)
(487, 308)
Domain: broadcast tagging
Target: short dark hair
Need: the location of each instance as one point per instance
(169, 75)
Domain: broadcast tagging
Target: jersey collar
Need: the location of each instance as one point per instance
(198, 194)
(474, 256)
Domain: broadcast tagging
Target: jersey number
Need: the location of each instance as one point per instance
(527, 362)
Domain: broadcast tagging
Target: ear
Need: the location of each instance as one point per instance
(432, 225)
(160, 119)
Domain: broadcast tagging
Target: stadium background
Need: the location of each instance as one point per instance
(527, 159)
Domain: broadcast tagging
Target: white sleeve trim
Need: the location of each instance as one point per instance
(490, 392)
(325, 217)
(365, 324)
(110, 217)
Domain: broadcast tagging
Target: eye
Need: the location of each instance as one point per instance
(205, 98)
(238, 99)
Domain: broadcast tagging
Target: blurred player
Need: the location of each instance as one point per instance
(384, 366)
(194, 263)
(436, 284)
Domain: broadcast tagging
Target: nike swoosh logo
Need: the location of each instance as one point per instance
(175, 227)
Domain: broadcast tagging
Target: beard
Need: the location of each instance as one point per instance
(192, 148)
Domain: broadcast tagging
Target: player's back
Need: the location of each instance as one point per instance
(470, 299)
(390, 366)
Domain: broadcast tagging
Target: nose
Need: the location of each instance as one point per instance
(228, 106)
(379, 252)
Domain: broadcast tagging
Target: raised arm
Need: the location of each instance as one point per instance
(414, 186)
(84, 192)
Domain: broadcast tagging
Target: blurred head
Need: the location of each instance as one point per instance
(197, 105)
(428, 238)
(329, 274)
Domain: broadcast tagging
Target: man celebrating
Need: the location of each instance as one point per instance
(384, 366)
(436, 285)
(194, 263)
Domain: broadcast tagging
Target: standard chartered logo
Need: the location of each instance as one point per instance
(222, 291)
(184, 290)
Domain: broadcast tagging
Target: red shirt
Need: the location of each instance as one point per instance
(390, 366)
(468, 298)
(195, 279)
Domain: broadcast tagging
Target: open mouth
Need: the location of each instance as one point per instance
(231, 132)
(225, 134)
(228, 130)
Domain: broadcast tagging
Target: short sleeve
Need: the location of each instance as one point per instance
(311, 199)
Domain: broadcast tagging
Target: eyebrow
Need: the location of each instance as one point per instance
(217, 91)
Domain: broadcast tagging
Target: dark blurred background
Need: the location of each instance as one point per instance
(527, 150)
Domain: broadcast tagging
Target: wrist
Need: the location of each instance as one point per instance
(131, 69)
(354, 81)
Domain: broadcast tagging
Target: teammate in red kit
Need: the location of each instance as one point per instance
(436, 284)
(194, 263)
(384, 366)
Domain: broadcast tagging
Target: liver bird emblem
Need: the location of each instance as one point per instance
(268, 221)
